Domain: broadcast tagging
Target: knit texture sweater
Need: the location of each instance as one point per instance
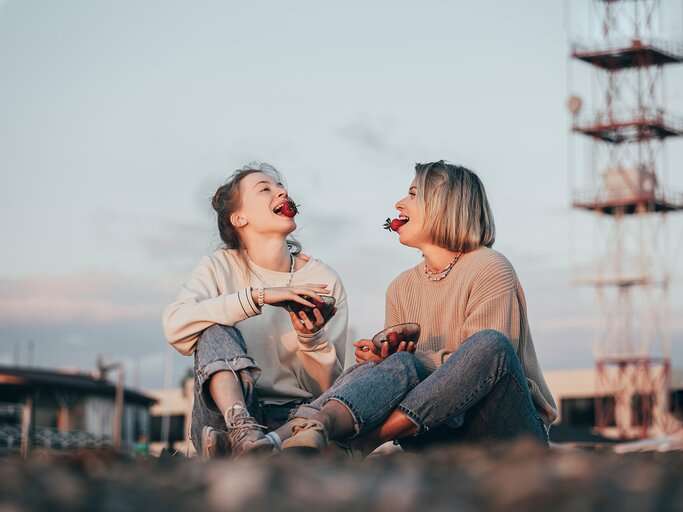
(293, 366)
(481, 292)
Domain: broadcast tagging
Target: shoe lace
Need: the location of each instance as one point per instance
(240, 423)
(309, 425)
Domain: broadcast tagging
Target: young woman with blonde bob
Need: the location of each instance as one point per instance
(254, 361)
(474, 374)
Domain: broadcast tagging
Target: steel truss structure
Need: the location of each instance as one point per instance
(625, 190)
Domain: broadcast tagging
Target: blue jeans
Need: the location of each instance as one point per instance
(479, 393)
(222, 348)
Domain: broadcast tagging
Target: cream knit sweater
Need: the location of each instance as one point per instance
(481, 292)
(292, 365)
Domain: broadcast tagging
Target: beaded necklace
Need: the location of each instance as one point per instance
(442, 273)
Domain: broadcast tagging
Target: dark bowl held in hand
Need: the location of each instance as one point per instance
(326, 306)
(396, 334)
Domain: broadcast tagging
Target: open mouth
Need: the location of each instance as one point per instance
(286, 209)
(402, 221)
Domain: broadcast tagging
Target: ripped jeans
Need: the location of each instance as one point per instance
(479, 393)
(222, 348)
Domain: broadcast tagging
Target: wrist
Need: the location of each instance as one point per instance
(309, 339)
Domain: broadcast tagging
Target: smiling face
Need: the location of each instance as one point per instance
(411, 233)
(262, 198)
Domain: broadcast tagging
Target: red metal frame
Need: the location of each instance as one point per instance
(627, 133)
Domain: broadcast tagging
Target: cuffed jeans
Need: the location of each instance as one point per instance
(479, 393)
(222, 348)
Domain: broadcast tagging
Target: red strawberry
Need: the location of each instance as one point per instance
(289, 209)
(393, 225)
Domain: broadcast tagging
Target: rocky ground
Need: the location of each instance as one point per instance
(507, 478)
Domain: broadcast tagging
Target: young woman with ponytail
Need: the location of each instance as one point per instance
(254, 360)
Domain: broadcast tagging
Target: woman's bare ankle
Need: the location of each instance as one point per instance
(336, 419)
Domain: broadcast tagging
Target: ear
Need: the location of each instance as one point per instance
(238, 220)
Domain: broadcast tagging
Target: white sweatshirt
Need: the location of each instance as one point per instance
(292, 365)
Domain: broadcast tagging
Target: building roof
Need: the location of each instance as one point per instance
(35, 378)
(581, 382)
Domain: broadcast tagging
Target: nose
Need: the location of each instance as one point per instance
(399, 205)
(283, 192)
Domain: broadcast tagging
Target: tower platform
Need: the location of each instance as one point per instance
(630, 127)
(633, 54)
(643, 202)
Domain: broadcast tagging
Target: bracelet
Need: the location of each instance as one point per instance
(261, 296)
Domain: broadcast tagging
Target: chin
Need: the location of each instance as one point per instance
(405, 240)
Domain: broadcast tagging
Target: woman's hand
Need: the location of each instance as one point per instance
(367, 351)
(294, 293)
(304, 325)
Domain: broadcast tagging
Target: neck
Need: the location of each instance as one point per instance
(436, 258)
(270, 253)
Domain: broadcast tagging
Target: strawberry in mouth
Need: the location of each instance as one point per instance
(287, 209)
(395, 224)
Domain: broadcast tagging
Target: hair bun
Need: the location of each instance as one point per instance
(218, 198)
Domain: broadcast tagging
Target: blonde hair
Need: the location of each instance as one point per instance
(457, 213)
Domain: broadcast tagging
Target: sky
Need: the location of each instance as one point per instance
(119, 119)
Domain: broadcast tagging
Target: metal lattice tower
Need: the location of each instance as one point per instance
(624, 189)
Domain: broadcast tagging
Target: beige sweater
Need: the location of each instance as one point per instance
(481, 292)
(292, 366)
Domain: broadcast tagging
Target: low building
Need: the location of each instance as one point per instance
(61, 409)
(576, 397)
(171, 417)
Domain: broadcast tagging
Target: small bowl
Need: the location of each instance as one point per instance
(326, 307)
(395, 334)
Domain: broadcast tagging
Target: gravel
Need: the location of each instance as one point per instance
(520, 476)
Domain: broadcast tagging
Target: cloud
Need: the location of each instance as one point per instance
(378, 137)
(95, 298)
(137, 343)
(180, 244)
(365, 135)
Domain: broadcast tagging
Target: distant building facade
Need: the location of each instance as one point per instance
(576, 397)
(171, 417)
(62, 410)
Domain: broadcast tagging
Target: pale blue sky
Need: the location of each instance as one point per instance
(119, 119)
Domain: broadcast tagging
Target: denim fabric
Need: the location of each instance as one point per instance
(222, 348)
(482, 392)
(479, 392)
(371, 391)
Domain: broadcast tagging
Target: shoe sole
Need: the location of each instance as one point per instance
(258, 451)
(207, 443)
(304, 451)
